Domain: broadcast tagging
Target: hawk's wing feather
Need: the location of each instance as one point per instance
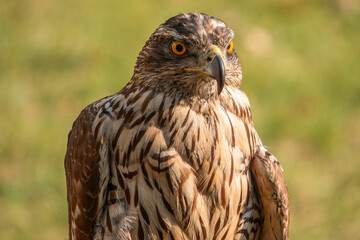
(86, 176)
(273, 195)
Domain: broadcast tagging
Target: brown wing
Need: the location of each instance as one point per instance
(273, 195)
(85, 177)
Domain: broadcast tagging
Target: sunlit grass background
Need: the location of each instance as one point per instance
(301, 65)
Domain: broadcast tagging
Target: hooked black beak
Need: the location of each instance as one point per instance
(216, 69)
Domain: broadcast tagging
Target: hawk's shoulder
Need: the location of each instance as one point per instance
(273, 195)
(86, 173)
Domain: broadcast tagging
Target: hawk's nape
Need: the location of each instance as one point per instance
(174, 154)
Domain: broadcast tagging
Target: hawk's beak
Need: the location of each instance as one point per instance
(216, 67)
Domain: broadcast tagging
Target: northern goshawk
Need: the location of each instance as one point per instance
(174, 154)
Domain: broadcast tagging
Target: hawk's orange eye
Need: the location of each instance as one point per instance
(230, 47)
(178, 48)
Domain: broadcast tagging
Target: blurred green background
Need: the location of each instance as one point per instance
(301, 72)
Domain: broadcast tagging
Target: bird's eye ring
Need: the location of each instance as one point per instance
(230, 47)
(178, 48)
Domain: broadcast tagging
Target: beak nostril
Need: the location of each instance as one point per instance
(209, 59)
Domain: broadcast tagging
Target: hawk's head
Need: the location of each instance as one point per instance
(192, 53)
